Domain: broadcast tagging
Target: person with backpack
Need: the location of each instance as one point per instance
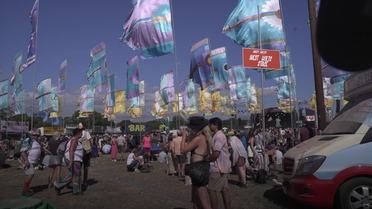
(220, 165)
(86, 141)
(74, 158)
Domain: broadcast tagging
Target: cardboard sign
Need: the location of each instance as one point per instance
(261, 58)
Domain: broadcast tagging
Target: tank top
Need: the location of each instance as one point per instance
(78, 156)
(146, 142)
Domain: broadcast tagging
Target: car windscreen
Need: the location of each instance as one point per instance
(353, 116)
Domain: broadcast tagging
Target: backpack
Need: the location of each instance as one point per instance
(261, 176)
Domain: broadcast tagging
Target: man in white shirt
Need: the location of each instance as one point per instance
(30, 153)
(121, 147)
(86, 141)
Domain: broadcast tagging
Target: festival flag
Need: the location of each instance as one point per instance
(87, 98)
(119, 102)
(96, 73)
(238, 83)
(200, 67)
(189, 96)
(216, 101)
(44, 94)
(58, 103)
(285, 88)
(111, 91)
(285, 67)
(159, 108)
(149, 28)
(220, 68)
(133, 78)
(256, 24)
(167, 90)
(31, 54)
(205, 101)
(4, 90)
(62, 76)
(54, 100)
(17, 105)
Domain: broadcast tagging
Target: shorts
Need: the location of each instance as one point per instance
(218, 181)
(180, 159)
(86, 160)
(52, 161)
(31, 170)
(121, 148)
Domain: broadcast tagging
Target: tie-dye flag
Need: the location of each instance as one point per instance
(220, 68)
(167, 90)
(205, 101)
(200, 68)
(44, 94)
(119, 102)
(62, 76)
(238, 83)
(149, 28)
(87, 98)
(189, 96)
(31, 54)
(252, 17)
(4, 90)
(133, 78)
(57, 103)
(159, 108)
(111, 91)
(96, 73)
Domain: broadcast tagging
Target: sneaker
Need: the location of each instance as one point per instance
(28, 193)
(137, 170)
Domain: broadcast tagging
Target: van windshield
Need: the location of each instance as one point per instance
(351, 118)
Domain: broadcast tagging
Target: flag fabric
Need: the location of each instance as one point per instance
(44, 87)
(4, 90)
(205, 101)
(111, 91)
(96, 73)
(119, 102)
(54, 100)
(285, 88)
(220, 68)
(62, 76)
(133, 78)
(87, 98)
(16, 80)
(338, 86)
(58, 103)
(159, 108)
(189, 96)
(31, 52)
(149, 28)
(167, 89)
(285, 67)
(17, 94)
(200, 68)
(238, 83)
(216, 101)
(251, 17)
(19, 103)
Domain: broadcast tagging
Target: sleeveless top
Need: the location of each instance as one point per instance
(78, 156)
(146, 142)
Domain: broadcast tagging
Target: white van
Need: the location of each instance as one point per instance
(335, 168)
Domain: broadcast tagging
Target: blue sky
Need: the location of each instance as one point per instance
(70, 28)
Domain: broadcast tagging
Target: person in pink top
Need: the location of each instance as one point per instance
(147, 147)
(220, 166)
(114, 148)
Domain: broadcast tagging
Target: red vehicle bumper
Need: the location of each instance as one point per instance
(309, 190)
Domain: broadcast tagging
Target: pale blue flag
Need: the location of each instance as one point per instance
(220, 68)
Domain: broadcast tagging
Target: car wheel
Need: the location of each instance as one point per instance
(356, 194)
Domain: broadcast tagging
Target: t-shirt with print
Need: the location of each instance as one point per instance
(223, 163)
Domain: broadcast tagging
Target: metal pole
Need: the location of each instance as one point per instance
(262, 73)
(317, 68)
(176, 69)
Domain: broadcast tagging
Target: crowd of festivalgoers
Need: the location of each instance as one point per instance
(202, 153)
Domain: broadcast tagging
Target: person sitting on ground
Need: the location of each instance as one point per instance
(134, 161)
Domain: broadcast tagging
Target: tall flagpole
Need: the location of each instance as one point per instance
(262, 73)
(317, 68)
(176, 69)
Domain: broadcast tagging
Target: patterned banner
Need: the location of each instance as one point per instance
(62, 76)
(87, 98)
(189, 97)
(96, 73)
(200, 68)
(238, 83)
(133, 78)
(44, 87)
(216, 101)
(119, 102)
(149, 28)
(205, 101)
(4, 87)
(167, 89)
(220, 68)
(242, 24)
(31, 54)
(159, 109)
(111, 91)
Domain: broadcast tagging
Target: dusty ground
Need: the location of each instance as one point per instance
(111, 186)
